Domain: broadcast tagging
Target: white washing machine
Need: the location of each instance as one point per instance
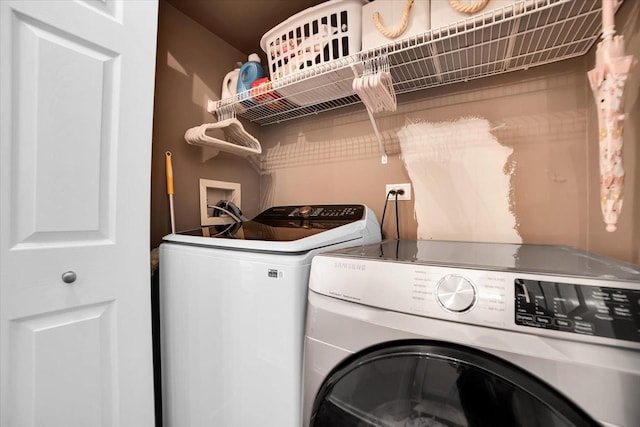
(427, 333)
(232, 307)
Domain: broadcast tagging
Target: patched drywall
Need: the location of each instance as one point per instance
(462, 181)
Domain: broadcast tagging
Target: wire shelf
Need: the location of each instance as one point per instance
(525, 34)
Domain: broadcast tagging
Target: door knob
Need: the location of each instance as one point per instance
(69, 277)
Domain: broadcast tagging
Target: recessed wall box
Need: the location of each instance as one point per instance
(211, 192)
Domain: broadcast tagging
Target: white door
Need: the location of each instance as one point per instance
(76, 105)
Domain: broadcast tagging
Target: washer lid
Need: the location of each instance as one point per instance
(287, 229)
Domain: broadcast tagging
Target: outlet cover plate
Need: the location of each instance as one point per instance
(406, 187)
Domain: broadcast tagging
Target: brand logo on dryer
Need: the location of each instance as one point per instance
(341, 265)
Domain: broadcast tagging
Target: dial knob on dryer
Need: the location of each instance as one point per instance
(455, 293)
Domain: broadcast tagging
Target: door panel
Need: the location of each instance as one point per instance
(77, 81)
(70, 351)
(65, 102)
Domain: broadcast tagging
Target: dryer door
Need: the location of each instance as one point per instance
(434, 384)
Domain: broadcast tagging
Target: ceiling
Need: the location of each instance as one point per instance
(241, 23)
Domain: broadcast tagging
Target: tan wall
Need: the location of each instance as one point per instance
(543, 114)
(546, 117)
(548, 120)
(191, 63)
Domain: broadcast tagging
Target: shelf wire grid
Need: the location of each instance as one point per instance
(526, 34)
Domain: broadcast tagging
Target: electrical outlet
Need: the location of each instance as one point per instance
(406, 187)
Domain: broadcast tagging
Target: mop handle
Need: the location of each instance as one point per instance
(169, 168)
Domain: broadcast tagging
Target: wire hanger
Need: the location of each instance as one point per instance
(237, 140)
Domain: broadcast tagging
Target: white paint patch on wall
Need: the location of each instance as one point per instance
(461, 181)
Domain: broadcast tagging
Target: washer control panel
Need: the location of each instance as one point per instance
(590, 310)
(322, 212)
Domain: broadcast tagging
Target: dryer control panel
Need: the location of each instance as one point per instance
(590, 310)
(551, 291)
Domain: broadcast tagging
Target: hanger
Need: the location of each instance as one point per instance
(237, 140)
(375, 89)
(375, 85)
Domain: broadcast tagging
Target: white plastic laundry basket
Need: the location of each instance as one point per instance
(317, 35)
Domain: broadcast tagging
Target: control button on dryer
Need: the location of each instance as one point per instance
(524, 317)
(544, 320)
(563, 323)
(455, 293)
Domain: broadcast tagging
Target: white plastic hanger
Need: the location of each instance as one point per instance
(375, 89)
(375, 86)
(237, 140)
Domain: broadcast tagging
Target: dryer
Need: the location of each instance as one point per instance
(232, 310)
(428, 333)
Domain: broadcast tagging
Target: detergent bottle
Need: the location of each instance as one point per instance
(230, 82)
(249, 72)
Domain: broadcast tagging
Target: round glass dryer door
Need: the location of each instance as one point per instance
(439, 385)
